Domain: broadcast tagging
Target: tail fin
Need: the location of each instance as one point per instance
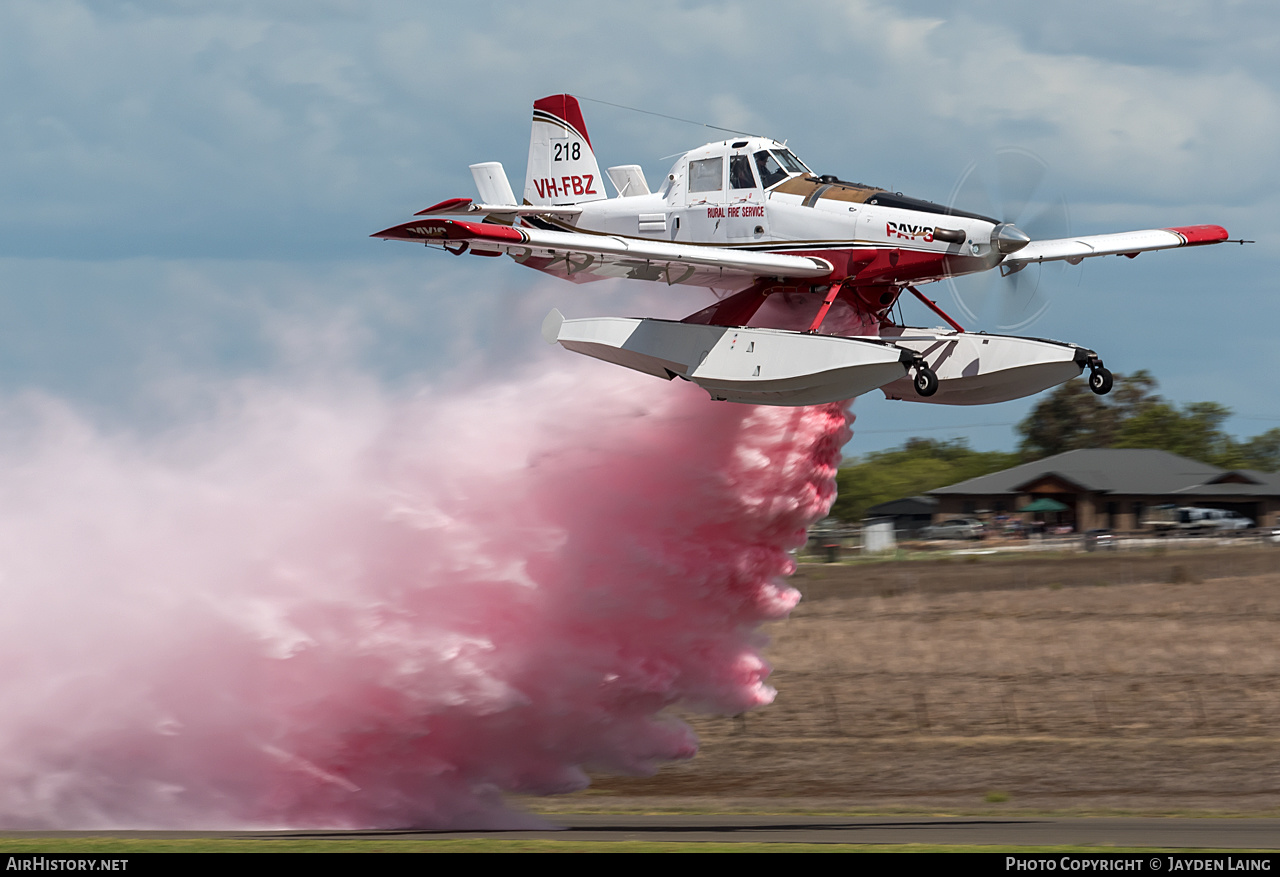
(562, 167)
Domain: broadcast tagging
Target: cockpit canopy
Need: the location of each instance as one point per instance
(752, 163)
(757, 162)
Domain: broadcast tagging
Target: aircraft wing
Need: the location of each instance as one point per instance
(1128, 243)
(582, 257)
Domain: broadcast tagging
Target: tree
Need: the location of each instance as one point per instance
(1072, 417)
(1261, 452)
(1195, 432)
(1133, 416)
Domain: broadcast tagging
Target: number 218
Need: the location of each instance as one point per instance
(566, 151)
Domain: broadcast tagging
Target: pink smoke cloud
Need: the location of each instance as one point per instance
(344, 609)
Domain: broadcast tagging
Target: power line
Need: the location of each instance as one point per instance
(665, 116)
(1269, 418)
(928, 428)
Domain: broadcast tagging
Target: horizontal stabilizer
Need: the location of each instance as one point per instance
(492, 184)
(629, 180)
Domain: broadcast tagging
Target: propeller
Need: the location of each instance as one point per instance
(1015, 187)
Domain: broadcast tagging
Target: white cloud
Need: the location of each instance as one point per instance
(251, 129)
(269, 133)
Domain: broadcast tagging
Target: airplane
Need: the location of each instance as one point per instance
(806, 268)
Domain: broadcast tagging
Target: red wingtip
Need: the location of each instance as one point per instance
(398, 233)
(446, 206)
(564, 107)
(449, 229)
(1201, 234)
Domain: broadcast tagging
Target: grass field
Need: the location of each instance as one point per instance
(1136, 683)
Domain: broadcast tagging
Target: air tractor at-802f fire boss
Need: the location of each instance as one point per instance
(806, 268)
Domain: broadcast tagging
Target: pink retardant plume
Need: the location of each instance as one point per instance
(329, 610)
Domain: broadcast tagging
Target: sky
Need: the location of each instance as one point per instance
(188, 187)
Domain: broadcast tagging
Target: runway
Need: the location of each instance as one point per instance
(1165, 833)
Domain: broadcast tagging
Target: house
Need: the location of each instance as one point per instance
(1111, 488)
(909, 515)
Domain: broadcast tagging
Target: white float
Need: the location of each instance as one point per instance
(779, 367)
(757, 366)
(974, 368)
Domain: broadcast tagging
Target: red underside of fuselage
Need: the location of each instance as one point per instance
(870, 282)
(870, 266)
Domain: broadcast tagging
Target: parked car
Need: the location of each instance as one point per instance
(1219, 519)
(1170, 517)
(1101, 538)
(956, 528)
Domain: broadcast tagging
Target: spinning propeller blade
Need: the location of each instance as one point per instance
(1014, 186)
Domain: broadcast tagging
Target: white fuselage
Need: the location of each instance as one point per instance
(725, 211)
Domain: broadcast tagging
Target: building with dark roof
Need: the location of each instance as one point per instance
(912, 513)
(1112, 488)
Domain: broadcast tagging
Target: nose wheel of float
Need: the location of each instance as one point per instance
(1100, 378)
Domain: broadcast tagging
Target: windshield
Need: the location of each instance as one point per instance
(775, 166)
(790, 162)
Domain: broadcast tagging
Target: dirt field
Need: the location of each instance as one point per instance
(1104, 682)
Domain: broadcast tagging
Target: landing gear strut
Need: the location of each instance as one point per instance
(1100, 379)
